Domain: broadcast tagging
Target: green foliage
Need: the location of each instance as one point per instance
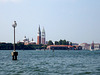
(64, 42)
(60, 42)
(6, 46)
(67, 43)
(21, 46)
(44, 46)
(71, 43)
(56, 43)
(50, 42)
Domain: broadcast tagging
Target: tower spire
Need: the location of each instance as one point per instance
(43, 36)
(39, 36)
(39, 29)
(43, 31)
(32, 39)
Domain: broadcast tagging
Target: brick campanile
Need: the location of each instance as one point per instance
(39, 36)
(43, 36)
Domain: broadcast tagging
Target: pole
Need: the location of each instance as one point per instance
(14, 53)
(14, 38)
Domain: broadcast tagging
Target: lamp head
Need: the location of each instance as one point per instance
(14, 24)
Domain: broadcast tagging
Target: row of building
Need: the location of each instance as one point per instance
(93, 46)
(41, 38)
(64, 47)
(76, 46)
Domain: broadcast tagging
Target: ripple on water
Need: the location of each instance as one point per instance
(98, 69)
(51, 63)
(84, 73)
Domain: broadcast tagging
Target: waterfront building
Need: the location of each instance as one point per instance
(43, 37)
(92, 46)
(85, 46)
(39, 36)
(57, 47)
(78, 47)
(32, 42)
(26, 41)
(63, 47)
(74, 44)
(46, 42)
(95, 46)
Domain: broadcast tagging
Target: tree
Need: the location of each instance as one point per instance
(50, 42)
(67, 43)
(6, 46)
(20, 46)
(64, 42)
(71, 43)
(60, 42)
(56, 43)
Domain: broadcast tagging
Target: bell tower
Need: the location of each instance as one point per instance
(39, 36)
(43, 36)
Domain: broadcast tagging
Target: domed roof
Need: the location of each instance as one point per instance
(32, 41)
(25, 39)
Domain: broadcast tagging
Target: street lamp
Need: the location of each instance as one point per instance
(14, 25)
(14, 53)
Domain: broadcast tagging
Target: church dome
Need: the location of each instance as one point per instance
(33, 42)
(25, 39)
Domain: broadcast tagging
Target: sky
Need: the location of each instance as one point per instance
(77, 21)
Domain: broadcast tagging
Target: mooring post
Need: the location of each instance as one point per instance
(14, 53)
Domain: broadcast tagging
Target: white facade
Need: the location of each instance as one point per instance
(85, 46)
(96, 46)
(26, 41)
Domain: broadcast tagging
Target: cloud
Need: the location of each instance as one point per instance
(13, 1)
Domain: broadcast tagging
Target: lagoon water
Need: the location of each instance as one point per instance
(59, 62)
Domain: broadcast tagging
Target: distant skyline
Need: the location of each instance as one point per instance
(73, 20)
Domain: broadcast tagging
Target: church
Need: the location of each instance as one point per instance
(40, 38)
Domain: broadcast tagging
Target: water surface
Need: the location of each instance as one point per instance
(64, 62)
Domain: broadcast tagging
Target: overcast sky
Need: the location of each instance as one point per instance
(74, 20)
